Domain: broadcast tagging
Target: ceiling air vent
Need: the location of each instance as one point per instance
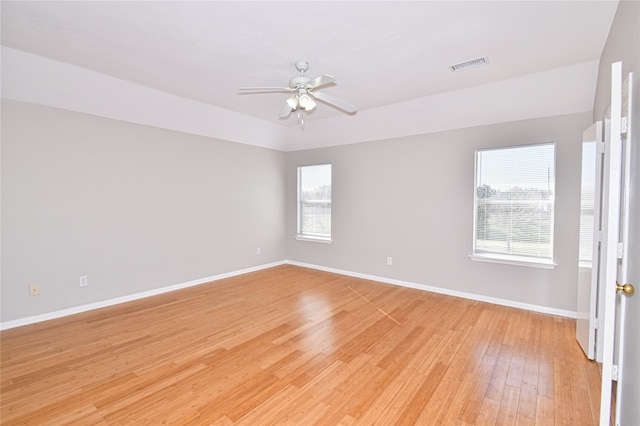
(474, 63)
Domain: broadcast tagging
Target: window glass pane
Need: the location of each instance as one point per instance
(514, 201)
(314, 200)
(587, 201)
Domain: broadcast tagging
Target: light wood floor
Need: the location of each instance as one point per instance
(289, 345)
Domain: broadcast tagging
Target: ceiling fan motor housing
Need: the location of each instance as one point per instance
(298, 82)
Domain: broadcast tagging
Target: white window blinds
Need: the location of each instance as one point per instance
(514, 201)
(587, 201)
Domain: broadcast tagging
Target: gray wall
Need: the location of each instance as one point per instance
(138, 208)
(412, 199)
(623, 44)
(135, 208)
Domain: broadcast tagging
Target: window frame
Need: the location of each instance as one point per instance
(514, 259)
(300, 235)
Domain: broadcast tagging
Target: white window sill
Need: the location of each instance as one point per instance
(585, 265)
(326, 240)
(514, 260)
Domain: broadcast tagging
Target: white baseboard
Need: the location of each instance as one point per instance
(128, 298)
(97, 305)
(464, 295)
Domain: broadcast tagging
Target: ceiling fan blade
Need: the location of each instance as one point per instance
(331, 100)
(320, 80)
(266, 89)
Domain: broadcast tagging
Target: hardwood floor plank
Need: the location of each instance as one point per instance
(508, 411)
(474, 402)
(416, 405)
(489, 413)
(289, 345)
(500, 374)
(593, 375)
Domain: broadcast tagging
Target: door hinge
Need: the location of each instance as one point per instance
(620, 250)
(600, 147)
(596, 324)
(599, 236)
(623, 125)
(614, 372)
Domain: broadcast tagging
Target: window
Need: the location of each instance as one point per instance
(514, 205)
(314, 202)
(587, 202)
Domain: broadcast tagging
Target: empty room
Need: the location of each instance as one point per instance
(320, 213)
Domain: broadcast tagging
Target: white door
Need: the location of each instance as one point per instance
(616, 222)
(589, 252)
(628, 354)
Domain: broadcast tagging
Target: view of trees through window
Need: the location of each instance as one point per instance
(515, 200)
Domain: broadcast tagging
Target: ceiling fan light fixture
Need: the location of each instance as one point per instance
(293, 102)
(473, 63)
(306, 102)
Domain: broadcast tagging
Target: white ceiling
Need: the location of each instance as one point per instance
(381, 53)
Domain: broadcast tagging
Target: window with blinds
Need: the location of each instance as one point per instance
(314, 201)
(514, 202)
(587, 202)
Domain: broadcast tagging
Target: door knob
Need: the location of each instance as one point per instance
(627, 289)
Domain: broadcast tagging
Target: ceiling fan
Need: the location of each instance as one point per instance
(304, 92)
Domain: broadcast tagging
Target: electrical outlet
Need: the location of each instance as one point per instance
(389, 260)
(83, 280)
(258, 251)
(34, 290)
